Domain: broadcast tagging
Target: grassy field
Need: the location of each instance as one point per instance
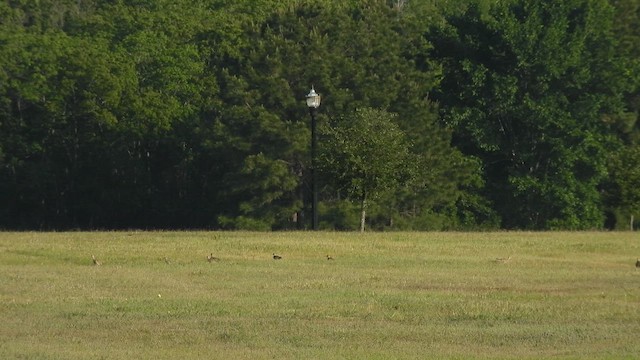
(385, 295)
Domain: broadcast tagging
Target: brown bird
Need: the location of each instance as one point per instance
(95, 261)
(277, 257)
(329, 257)
(211, 258)
(638, 264)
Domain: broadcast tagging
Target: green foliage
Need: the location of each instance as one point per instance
(625, 169)
(341, 215)
(190, 113)
(87, 121)
(264, 183)
(366, 154)
(626, 31)
(308, 44)
(526, 85)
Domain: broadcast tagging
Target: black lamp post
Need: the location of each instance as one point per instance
(313, 102)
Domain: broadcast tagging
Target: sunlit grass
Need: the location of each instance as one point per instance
(385, 295)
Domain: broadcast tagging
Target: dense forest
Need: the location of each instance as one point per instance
(440, 114)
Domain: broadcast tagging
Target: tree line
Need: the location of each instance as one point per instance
(436, 115)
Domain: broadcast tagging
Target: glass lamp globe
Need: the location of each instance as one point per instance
(313, 99)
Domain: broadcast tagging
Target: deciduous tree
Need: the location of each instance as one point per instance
(366, 154)
(525, 88)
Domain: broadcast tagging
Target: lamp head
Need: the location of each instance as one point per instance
(313, 99)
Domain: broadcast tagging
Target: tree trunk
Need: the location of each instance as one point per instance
(363, 212)
(631, 223)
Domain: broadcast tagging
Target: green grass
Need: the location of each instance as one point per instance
(386, 295)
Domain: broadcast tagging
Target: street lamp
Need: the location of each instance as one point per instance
(313, 102)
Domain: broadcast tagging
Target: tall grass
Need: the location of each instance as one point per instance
(385, 295)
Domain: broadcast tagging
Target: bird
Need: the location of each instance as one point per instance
(276, 257)
(166, 260)
(211, 258)
(329, 257)
(95, 261)
(638, 264)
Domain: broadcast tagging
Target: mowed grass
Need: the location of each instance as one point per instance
(384, 296)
